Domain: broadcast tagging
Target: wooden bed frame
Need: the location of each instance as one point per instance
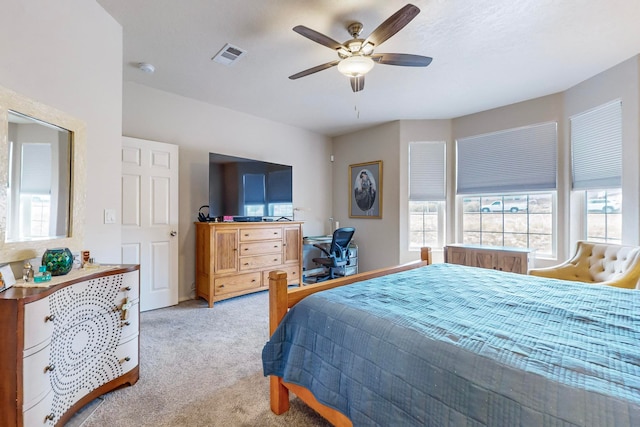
(281, 299)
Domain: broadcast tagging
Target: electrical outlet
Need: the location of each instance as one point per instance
(109, 216)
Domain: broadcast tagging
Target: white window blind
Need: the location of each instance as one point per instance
(36, 168)
(520, 159)
(596, 147)
(427, 171)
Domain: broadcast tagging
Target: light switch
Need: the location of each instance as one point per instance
(109, 216)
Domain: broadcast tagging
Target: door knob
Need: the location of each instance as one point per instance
(173, 233)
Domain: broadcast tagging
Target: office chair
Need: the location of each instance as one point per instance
(338, 254)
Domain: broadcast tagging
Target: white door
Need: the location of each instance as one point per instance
(150, 218)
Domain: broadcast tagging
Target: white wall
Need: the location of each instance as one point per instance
(68, 55)
(539, 110)
(384, 242)
(620, 82)
(377, 239)
(199, 128)
(416, 131)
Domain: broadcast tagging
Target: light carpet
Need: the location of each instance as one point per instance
(199, 366)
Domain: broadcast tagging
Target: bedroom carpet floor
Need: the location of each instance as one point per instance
(199, 367)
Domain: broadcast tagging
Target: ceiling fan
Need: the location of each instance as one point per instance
(356, 55)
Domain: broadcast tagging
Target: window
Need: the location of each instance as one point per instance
(426, 224)
(426, 194)
(603, 209)
(34, 224)
(517, 220)
(507, 187)
(596, 160)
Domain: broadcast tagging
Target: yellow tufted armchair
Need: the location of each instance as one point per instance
(601, 263)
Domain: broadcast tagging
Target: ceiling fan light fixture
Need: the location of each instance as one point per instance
(366, 49)
(355, 66)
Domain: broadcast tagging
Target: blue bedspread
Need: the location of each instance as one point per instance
(448, 345)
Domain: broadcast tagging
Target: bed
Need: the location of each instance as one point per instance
(449, 345)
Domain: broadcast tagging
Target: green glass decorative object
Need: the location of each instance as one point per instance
(58, 261)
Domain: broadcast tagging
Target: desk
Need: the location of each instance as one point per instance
(310, 269)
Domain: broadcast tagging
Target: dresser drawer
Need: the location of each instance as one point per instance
(129, 287)
(293, 275)
(41, 414)
(249, 234)
(130, 326)
(259, 248)
(260, 261)
(35, 377)
(239, 282)
(127, 354)
(38, 325)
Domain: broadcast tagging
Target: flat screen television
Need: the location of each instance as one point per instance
(249, 189)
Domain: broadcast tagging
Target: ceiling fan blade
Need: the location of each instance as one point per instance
(357, 83)
(392, 25)
(403, 59)
(314, 69)
(317, 37)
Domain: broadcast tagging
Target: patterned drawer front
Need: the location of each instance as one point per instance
(38, 325)
(84, 300)
(35, 377)
(249, 234)
(259, 248)
(260, 261)
(239, 282)
(41, 414)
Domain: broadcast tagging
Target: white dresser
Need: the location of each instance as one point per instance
(63, 346)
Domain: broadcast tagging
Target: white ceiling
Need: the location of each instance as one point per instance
(486, 53)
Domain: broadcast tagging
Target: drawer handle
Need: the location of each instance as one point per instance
(221, 286)
(50, 368)
(126, 359)
(127, 324)
(49, 417)
(275, 259)
(246, 235)
(50, 318)
(253, 280)
(126, 306)
(128, 288)
(246, 249)
(246, 263)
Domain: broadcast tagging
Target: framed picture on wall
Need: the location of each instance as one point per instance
(365, 190)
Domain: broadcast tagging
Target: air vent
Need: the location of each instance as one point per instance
(228, 54)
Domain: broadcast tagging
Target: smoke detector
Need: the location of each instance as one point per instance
(229, 54)
(146, 67)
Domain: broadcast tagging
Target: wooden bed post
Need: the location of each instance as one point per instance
(281, 298)
(279, 394)
(425, 255)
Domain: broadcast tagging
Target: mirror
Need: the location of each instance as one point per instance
(41, 178)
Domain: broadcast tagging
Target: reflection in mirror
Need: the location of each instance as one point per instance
(42, 178)
(39, 179)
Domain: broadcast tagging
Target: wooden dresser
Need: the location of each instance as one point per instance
(65, 345)
(515, 260)
(235, 258)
